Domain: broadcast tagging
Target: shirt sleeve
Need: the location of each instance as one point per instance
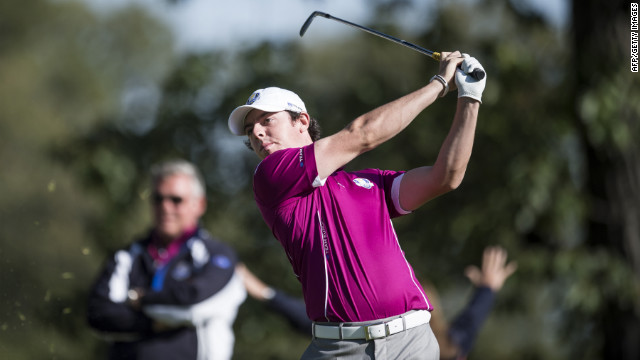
(285, 174)
(221, 305)
(465, 327)
(391, 180)
(293, 309)
(395, 196)
(107, 314)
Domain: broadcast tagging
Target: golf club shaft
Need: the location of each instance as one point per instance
(477, 74)
(433, 54)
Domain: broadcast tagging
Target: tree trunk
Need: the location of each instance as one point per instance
(601, 45)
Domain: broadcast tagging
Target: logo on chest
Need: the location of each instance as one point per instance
(182, 271)
(362, 182)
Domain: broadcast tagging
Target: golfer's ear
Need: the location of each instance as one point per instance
(304, 120)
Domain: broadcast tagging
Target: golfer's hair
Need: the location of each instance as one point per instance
(314, 127)
(165, 169)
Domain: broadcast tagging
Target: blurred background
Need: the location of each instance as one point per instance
(93, 92)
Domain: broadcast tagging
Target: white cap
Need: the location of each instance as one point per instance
(271, 99)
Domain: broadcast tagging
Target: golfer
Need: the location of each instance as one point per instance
(335, 226)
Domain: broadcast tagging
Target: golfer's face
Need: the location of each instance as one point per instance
(175, 207)
(269, 132)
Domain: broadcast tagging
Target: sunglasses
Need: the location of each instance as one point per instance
(159, 199)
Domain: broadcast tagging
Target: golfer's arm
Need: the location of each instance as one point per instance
(425, 183)
(372, 129)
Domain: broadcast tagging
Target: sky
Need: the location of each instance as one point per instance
(202, 25)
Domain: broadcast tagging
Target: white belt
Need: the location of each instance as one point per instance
(376, 330)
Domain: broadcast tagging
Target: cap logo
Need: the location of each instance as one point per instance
(253, 98)
(293, 106)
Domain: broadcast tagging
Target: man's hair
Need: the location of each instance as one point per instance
(314, 127)
(165, 169)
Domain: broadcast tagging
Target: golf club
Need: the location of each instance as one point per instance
(477, 73)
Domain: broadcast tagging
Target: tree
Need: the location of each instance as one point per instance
(607, 117)
(62, 71)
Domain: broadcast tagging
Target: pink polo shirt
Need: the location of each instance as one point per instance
(339, 237)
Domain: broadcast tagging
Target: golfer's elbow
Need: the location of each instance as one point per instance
(368, 141)
(452, 180)
(364, 137)
(450, 186)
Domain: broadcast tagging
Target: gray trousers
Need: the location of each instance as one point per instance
(418, 343)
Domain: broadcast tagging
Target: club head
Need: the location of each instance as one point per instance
(306, 24)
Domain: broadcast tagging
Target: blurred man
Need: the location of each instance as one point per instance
(335, 226)
(172, 294)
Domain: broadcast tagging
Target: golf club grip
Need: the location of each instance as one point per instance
(477, 74)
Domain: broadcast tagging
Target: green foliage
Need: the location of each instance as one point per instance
(616, 98)
(62, 72)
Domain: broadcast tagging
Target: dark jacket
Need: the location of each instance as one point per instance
(191, 295)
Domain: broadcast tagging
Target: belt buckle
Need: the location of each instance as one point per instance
(378, 331)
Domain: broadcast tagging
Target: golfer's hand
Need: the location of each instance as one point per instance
(467, 85)
(495, 269)
(449, 61)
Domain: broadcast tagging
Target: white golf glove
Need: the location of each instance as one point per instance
(467, 85)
